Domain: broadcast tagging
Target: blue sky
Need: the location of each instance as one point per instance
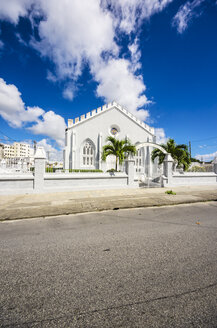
(157, 58)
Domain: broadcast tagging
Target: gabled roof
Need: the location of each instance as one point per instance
(100, 110)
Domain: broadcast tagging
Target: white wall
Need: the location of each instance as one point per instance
(23, 183)
(192, 179)
(75, 181)
(55, 182)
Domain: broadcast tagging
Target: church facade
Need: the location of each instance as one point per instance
(86, 136)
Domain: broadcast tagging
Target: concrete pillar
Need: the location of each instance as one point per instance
(130, 171)
(25, 166)
(100, 150)
(19, 165)
(66, 150)
(73, 164)
(215, 164)
(168, 168)
(39, 171)
(3, 164)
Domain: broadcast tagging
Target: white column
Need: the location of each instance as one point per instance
(100, 150)
(39, 171)
(66, 150)
(130, 171)
(19, 165)
(73, 155)
(3, 164)
(215, 165)
(168, 168)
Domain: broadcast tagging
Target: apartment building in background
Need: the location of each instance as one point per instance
(21, 149)
(8, 151)
(1, 151)
(17, 150)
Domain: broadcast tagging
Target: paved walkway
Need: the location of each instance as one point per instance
(51, 204)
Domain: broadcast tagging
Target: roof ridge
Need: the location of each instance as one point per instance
(95, 112)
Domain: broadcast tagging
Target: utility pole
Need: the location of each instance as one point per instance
(190, 148)
(48, 156)
(35, 145)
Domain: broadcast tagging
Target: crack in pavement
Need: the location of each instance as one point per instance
(161, 221)
(160, 298)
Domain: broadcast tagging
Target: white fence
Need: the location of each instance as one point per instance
(14, 165)
(39, 181)
(181, 178)
(18, 178)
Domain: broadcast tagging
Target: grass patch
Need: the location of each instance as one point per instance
(170, 192)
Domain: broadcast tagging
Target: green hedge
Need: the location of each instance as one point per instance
(49, 169)
(83, 170)
(112, 170)
(53, 169)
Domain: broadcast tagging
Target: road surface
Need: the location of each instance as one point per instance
(153, 267)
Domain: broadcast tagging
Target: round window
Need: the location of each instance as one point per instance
(114, 131)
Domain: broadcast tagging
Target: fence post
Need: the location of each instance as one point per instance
(3, 164)
(19, 165)
(130, 171)
(168, 168)
(39, 171)
(215, 164)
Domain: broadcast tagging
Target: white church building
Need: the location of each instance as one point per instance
(86, 136)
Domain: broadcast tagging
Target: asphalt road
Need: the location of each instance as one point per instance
(153, 267)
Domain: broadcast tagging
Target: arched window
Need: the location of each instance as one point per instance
(88, 154)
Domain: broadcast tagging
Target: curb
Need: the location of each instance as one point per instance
(79, 206)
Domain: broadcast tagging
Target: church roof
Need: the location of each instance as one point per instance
(72, 123)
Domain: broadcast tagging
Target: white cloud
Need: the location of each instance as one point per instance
(117, 82)
(74, 34)
(51, 125)
(69, 51)
(185, 14)
(51, 77)
(54, 154)
(135, 55)
(1, 45)
(11, 10)
(206, 157)
(130, 14)
(160, 136)
(32, 114)
(69, 91)
(13, 110)
(11, 105)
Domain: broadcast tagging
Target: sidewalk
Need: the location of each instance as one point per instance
(62, 203)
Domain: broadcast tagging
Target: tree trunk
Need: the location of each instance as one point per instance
(116, 164)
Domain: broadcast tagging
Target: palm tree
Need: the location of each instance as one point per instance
(119, 148)
(179, 153)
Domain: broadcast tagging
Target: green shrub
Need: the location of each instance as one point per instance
(84, 171)
(197, 169)
(111, 170)
(49, 170)
(170, 192)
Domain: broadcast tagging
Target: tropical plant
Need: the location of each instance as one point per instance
(197, 168)
(118, 148)
(179, 153)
